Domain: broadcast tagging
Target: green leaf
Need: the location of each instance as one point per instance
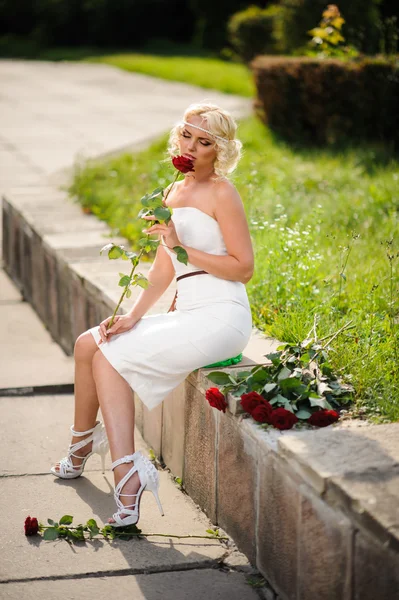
(115, 252)
(291, 383)
(124, 281)
(141, 281)
(92, 523)
(282, 347)
(131, 255)
(218, 377)
(243, 374)
(270, 387)
(305, 358)
(50, 534)
(128, 293)
(182, 255)
(279, 399)
(156, 193)
(321, 402)
(274, 357)
(303, 414)
(66, 520)
(260, 376)
(284, 373)
(107, 247)
(50, 522)
(162, 213)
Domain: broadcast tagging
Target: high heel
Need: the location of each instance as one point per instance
(149, 480)
(67, 470)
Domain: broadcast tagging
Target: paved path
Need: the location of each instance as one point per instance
(50, 114)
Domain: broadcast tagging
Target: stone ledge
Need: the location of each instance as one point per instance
(302, 497)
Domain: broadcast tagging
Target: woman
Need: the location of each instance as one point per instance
(211, 321)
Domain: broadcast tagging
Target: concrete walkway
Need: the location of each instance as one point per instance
(50, 114)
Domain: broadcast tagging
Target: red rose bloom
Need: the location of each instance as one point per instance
(216, 399)
(322, 418)
(283, 419)
(263, 412)
(183, 164)
(250, 401)
(31, 526)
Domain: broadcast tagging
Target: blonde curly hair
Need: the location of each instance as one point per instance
(218, 122)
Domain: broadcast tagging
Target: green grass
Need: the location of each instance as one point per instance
(174, 62)
(322, 224)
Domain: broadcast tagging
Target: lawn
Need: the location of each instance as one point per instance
(324, 225)
(166, 60)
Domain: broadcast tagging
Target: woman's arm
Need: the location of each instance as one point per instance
(160, 276)
(238, 265)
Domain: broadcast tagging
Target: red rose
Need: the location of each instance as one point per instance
(216, 399)
(263, 412)
(250, 401)
(183, 164)
(31, 526)
(322, 418)
(283, 419)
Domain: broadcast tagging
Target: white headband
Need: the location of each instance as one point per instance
(206, 131)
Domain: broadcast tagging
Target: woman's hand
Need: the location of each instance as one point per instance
(121, 324)
(168, 232)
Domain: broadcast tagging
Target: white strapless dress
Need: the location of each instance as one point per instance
(212, 321)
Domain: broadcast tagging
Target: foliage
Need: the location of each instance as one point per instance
(361, 26)
(299, 379)
(211, 20)
(327, 38)
(320, 221)
(96, 22)
(322, 101)
(254, 31)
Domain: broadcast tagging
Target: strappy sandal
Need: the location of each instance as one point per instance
(67, 470)
(149, 480)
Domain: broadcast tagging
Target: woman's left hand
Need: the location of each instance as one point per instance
(167, 231)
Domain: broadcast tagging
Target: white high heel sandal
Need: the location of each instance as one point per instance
(67, 470)
(149, 480)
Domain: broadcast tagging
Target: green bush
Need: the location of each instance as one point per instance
(211, 19)
(255, 31)
(116, 23)
(361, 22)
(330, 100)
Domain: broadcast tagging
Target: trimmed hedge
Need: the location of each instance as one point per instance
(327, 101)
(254, 31)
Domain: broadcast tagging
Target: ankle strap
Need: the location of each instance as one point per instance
(126, 459)
(82, 433)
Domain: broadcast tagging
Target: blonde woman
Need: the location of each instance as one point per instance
(211, 320)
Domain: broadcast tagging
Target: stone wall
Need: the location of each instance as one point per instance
(317, 512)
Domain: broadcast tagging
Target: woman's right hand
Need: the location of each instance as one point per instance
(121, 324)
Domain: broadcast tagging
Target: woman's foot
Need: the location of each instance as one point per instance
(130, 488)
(77, 462)
(83, 445)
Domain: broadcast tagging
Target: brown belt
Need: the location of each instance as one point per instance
(173, 305)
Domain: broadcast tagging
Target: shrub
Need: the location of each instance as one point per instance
(255, 31)
(326, 101)
(360, 30)
(117, 23)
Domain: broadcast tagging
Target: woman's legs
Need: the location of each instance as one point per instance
(117, 408)
(86, 401)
